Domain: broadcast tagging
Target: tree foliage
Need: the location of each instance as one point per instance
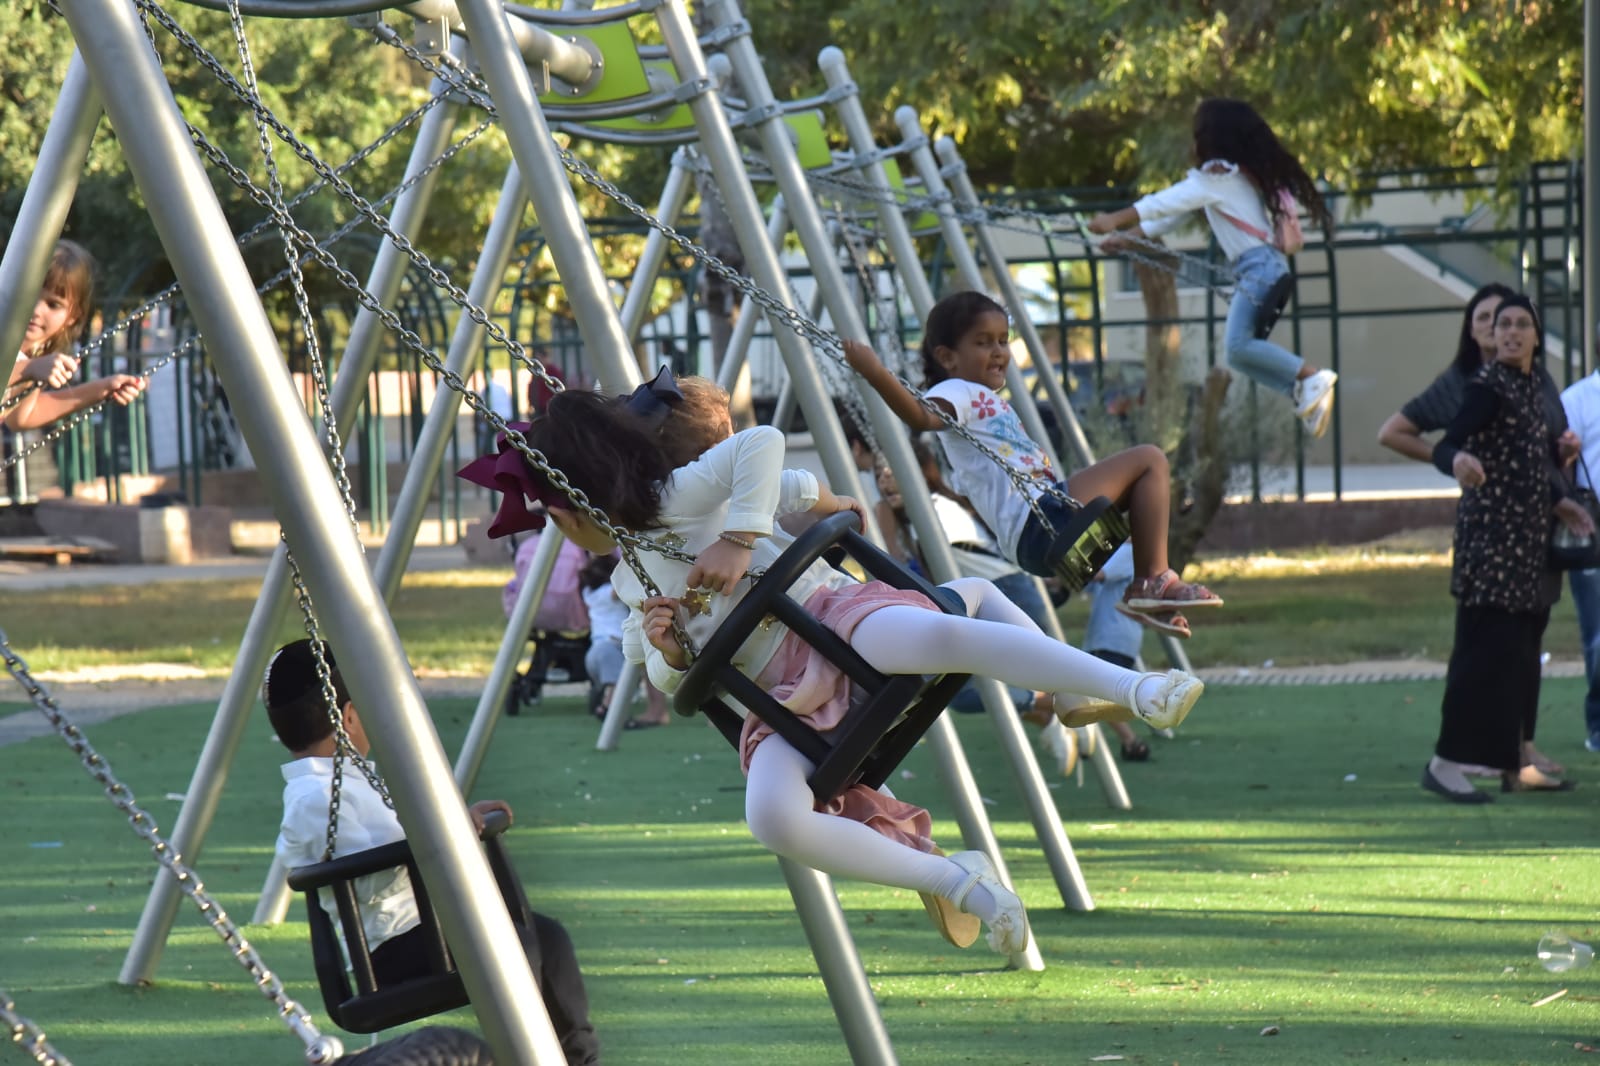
(1052, 93)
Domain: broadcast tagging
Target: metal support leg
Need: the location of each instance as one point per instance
(196, 237)
(43, 213)
(244, 681)
(840, 965)
(617, 709)
(493, 699)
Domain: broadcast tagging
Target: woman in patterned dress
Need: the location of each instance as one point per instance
(1503, 451)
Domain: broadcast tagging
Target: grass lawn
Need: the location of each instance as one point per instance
(1329, 606)
(1281, 869)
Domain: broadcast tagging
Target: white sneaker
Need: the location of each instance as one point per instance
(1173, 700)
(1008, 932)
(1060, 746)
(1313, 401)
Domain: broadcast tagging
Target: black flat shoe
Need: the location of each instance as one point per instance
(1471, 795)
(1513, 783)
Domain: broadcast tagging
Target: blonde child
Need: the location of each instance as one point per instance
(720, 508)
(1247, 185)
(965, 350)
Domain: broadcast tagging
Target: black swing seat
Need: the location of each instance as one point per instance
(369, 1008)
(1092, 535)
(889, 713)
(1271, 307)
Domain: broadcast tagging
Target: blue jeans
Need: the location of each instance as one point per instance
(1023, 591)
(1033, 543)
(1259, 360)
(1110, 629)
(1586, 596)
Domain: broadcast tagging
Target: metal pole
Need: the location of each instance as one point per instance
(895, 445)
(1591, 182)
(1000, 269)
(617, 710)
(735, 360)
(492, 701)
(916, 143)
(196, 237)
(428, 453)
(839, 963)
(272, 605)
(636, 304)
(62, 155)
(605, 342)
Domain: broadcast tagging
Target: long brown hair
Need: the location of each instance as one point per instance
(605, 453)
(70, 276)
(1232, 130)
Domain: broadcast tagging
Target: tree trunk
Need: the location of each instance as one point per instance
(1192, 437)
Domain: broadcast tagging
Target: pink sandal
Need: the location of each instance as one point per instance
(1170, 622)
(1166, 592)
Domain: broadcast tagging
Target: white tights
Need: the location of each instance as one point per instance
(1000, 642)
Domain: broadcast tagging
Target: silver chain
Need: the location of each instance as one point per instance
(626, 540)
(335, 453)
(28, 1036)
(319, 1048)
(59, 428)
(1141, 250)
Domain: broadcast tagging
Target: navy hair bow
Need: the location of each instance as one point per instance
(653, 401)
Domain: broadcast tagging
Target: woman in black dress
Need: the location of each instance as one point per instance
(1505, 453)
(1433, 409)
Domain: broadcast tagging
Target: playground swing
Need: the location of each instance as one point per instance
(888, 714)
(1094, 530)
(370, 1007)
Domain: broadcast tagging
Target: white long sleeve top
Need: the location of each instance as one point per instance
(1217, 187)
(388, 904)
(741, 485)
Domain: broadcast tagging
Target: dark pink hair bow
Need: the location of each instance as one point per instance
(508, 473)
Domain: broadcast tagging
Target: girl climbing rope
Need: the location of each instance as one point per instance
(721, 507)
(1247, 184)
(965, 350)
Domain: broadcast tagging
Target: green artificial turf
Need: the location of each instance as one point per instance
(1280, 868)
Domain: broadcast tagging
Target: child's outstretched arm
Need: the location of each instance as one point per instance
(906, 405)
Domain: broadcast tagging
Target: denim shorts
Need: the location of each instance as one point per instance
(1033, 546)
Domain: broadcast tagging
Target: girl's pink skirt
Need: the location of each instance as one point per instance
(799, 677)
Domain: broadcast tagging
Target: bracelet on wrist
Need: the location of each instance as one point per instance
(747, 545)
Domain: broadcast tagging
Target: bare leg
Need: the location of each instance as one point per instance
(1139, 481)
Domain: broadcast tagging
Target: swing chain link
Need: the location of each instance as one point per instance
(343, 748)
(59, 428)
(297, 284)
(1147, 251)
(319, 1048)
(28, 1036)
(409, 338)
(821, 339)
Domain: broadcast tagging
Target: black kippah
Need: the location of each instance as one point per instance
(292, 672)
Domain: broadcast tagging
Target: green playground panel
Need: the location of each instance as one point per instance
(927, 220)
(624, 76)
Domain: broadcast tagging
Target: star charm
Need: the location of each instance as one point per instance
(696, 601)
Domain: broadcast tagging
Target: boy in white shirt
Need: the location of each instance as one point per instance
(295, 703)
